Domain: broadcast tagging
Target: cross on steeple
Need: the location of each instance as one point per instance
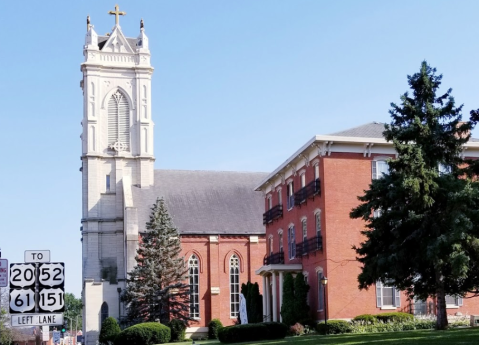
(117, 13)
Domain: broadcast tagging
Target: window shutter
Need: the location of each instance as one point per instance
(124, 123)
(379, 294)
(397, 298)
(459, 301)
(112, 121)
(293, 240)
(289, 243)
(373, 168)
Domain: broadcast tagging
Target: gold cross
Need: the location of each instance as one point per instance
(117, 13)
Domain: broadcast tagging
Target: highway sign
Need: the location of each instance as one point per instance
(22, 301)
(22, 275)
(3, 272)
(51, 274)
(25, 320)
(37, 256)
(51, 300)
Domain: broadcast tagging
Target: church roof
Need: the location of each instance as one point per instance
(205, 202)
(102, 40)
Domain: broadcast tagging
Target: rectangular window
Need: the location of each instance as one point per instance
(291, 243)
(281, 242)
(305, 237)
(107, 183)
(379, 168)
(320, 292)
(280, 200)
(234, 286)
(316, 171)
(387, 296)
(290, 194)
(303, 180)
(270, 245)
(317, 220)
(453, 301)
(270, 203)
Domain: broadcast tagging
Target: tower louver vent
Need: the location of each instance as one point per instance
(118, 122)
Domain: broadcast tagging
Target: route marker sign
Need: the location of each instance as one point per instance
(3, 272)
(37, 256)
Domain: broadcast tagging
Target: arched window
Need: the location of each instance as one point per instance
(194, 286)
(118, 122)
(104, 312)
(234, 286)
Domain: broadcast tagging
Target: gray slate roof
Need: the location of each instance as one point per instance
(368, 130)
(206, 202)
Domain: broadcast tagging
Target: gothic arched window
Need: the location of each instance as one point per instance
(118, 122)
(194, 286)
(234, 286)
(104, 312)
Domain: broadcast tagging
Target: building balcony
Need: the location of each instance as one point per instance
(309, 246)
(309, 191)
(273, 258)
(272, 214)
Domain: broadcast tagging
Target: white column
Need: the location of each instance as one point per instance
(265, 297)
(280, 294)
(275, 300)
(268, 304)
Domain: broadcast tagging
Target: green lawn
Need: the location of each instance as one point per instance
(461, 336)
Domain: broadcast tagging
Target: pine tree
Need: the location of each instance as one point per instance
(156, 287)
(301, 307)
(425, 240)
(287, 308)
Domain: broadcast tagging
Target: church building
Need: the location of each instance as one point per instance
(218, 214)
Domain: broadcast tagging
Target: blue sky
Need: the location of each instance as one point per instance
(238, 85)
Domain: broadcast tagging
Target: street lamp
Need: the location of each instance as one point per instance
(324, 281)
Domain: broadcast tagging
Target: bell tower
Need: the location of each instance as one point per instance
(117, 153)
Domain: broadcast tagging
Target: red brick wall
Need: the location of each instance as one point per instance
(214, 270)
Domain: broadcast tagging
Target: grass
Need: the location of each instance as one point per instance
(460, 336)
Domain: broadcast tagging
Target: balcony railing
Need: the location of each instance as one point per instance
(309, 245)
(274, 258)
(272, 214)
(309, 191)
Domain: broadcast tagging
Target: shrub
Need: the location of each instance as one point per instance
(308, 322)
(300, 304)
(148, 333)
(178, 330)
(297, 329)
(213, 327)
(334, 327)
(252, 332)
(394, 317)
(287, 308)
(109, 331)
(365, 319)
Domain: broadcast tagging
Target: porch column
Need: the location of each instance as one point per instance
(280, 294)
(275, 299)
(268, 300)
(265, 298)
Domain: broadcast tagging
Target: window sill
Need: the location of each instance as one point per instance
(452, 306)
(388, 307)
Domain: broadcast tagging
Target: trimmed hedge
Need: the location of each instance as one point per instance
(395, 317)
(178, 330)
(109, 331)
(366, 319)
(334, 327)
(253, 332)
(213, 327)
(147, 333)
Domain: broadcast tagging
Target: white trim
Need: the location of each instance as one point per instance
(280, 231)
(388, 307)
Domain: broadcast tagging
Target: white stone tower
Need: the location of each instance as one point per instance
(117, 152)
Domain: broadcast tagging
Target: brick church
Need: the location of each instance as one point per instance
(218, 214)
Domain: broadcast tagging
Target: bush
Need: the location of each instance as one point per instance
(148, 333)
(365, 319)
(297, 329)
(109, 331)
(334, 327)
(253, 332)
(213, 327)
(394, 317)
(178, 330)
(308, 322)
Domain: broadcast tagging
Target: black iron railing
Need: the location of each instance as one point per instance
(274, 258)
(272, 214)
(309, 245)
(309, 191)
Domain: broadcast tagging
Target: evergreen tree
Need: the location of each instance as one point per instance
(425, 240)
(254, 302)
(287, 309)
(156, 288)
(301, 307)
(109, 331)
